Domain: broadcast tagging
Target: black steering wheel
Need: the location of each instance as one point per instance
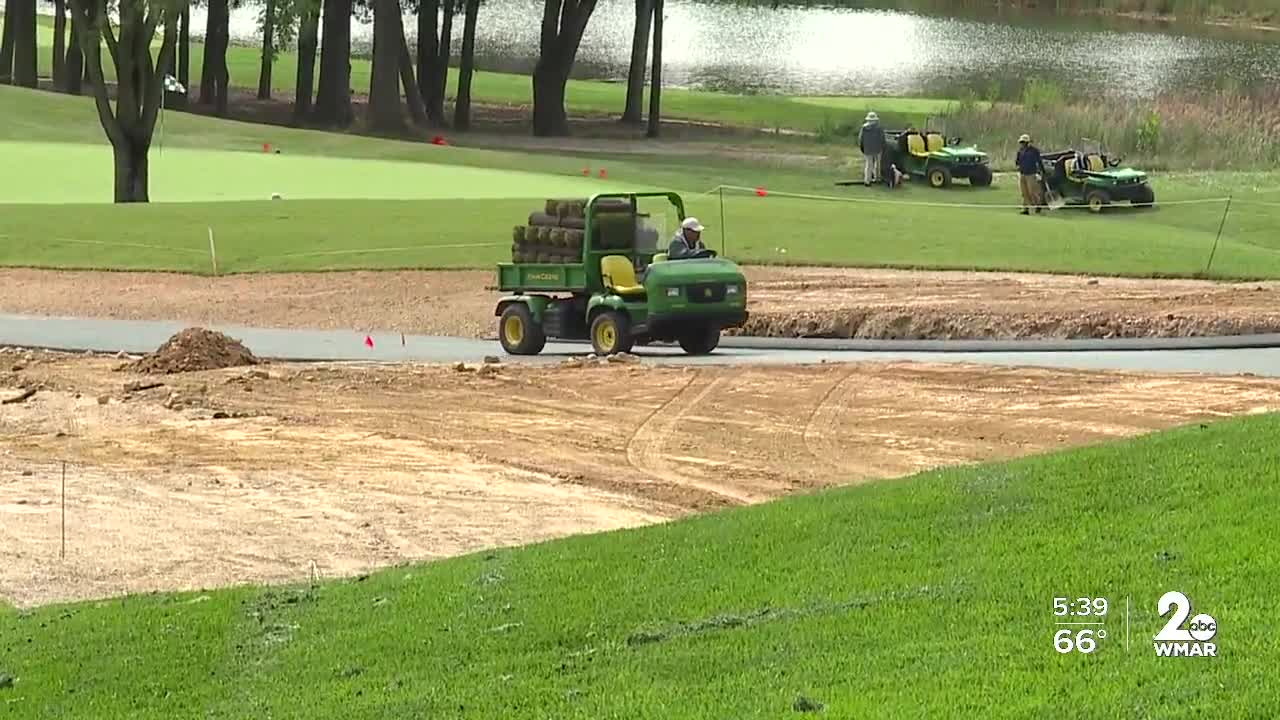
(699, 254)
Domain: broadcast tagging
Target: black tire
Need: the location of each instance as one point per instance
(611, 333)
(1097, 200)
(518, 333)
(938, 177)
(701, 341)
(981, 177)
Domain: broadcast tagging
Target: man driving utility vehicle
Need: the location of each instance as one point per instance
(687, 242)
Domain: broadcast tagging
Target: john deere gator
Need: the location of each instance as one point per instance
(593, 270)
(1098, 181)
(931, 156)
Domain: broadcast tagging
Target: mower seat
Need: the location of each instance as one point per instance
(659, 257)
(916, 145)
(935, 142)
(619, 275)
(1096, 164)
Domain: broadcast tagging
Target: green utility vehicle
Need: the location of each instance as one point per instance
(1097, 184)
(931, 156)
(593, 270)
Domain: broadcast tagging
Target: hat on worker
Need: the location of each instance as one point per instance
(1024, 138)
(692, 223)
(872, 116)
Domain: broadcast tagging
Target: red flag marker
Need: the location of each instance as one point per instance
(368, 341)
(761, 192)
(266, 147)
(603, 174)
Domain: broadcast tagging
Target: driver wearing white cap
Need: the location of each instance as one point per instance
(687, 242)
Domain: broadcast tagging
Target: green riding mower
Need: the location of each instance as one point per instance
(937, 159)
(1093, 179)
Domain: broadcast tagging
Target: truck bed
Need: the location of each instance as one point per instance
(541, 277)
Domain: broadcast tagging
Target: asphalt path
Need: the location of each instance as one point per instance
(1255, 354)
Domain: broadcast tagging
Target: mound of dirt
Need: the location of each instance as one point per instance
(195, 349)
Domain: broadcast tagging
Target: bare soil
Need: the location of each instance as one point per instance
(282, 472)
(784, 302)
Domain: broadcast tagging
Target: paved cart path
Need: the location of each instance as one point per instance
(1257, 354)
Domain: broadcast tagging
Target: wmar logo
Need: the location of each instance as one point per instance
(1173, 640)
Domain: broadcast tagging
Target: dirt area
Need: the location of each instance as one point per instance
(279, 472)
(787, 302)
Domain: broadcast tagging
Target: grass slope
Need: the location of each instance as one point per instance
(446, 207)
(930, 596)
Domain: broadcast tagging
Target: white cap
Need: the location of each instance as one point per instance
(691, 223)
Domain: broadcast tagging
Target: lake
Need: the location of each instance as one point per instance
(839, 51)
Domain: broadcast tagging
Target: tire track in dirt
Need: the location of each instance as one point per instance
(823, 409)
(646, 447)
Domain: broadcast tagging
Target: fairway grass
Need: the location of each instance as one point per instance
(929, 596)
(357, 203)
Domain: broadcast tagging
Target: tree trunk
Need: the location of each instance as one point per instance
(131, 185)
(59, 41)
(6, 42)
(428, 54)
(184, 49)
(412, 95)
(213, 72)
(130, 125)
(563, 22)
(268, 50)
(466, 66)
(549, 117)
(333, 98)
(24, 43)
(440, 76)
(308, 41)
(73, 69)
(633, 113)
(383, 113)
(655, 90)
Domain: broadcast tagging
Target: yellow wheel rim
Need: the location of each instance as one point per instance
(606, 336)
(936, 179)
(1095, 203)
(513, 329)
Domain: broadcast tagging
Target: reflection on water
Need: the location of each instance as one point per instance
(837, 51)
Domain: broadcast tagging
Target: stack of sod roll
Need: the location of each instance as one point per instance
(555, 235)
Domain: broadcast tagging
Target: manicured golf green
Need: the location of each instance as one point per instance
(930, 596)
(189, 175)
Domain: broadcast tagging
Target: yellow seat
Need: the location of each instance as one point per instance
(620, 275)
(916, 146)
(1096, 164)
(935, 142)
(659, 257)
(1069, 165)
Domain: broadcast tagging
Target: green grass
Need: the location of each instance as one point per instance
(417, 205)
(929, 596)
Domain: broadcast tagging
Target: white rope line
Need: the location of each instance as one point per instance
(384, 250)
(992, 206)
(132, 245)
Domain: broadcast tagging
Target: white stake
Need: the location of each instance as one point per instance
(213, 253)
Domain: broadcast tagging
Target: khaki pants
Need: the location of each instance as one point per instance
(871, 168)
(1030, 185)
